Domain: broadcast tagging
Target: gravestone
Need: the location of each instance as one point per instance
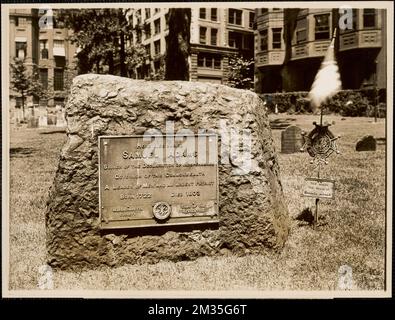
(51, 119)
(32, 122)
(235, 209)
(366, 143)
(60, 119)
(291, 139)
(42, 121)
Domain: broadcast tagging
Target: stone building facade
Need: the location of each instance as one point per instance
(290, 45)
(216, 33)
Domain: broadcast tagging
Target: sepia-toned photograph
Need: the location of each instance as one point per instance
(212, 149)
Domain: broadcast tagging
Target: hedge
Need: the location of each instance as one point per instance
(351, 103)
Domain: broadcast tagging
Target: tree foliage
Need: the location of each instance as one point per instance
(25, 83)
(241, 72)
(100, 35)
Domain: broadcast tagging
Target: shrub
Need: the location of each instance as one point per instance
(351, 103)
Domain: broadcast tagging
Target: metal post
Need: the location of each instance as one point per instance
(317, 199)
(375, 91)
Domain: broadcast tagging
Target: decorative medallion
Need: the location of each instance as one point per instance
(161, 210)
(320, 143)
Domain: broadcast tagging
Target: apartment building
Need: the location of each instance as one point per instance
(43, 45)
(216, 33)
(291, 43)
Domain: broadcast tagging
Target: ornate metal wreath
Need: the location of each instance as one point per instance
(320, 143)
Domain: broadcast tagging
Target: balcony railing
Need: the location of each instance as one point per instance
(311, 49)
(360, 39)
(270, 58)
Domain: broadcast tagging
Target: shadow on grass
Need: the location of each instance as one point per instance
(280, 124)
(53, 131)
(21, 152)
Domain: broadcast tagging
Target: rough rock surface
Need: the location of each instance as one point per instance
(253, 216)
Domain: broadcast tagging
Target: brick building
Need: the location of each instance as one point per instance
(44, 49)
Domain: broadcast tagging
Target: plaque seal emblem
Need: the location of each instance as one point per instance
(161, 210)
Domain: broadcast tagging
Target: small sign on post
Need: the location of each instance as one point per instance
(319, 188)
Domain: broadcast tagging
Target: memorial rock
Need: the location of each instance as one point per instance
(251, 218)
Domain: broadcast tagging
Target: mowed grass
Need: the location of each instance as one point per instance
(352, 228)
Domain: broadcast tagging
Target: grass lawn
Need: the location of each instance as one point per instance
(352, 230)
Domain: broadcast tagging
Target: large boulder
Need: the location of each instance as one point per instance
(252, 213)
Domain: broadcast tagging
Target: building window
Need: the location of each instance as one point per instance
(18, 102)
(58, 79)
(300, 36)
(147, 13)
(60, 62)
(249, 42)
(263, 11)
(235, 40)
(354, 19)
(213, 38)
(43, 102)
(138, 36)
(212, 61)
(263, 36)
(301, 33)
(157, 26)
(58, 44)
(202, 35)
(44, 49)
(157, 10)
(138, 16)
(276, 9)
(58, 102)
(157, 66)
(235, 16)
(276, 34)
(322, 27)
(148, 50)
(252, 19)
(214, 14)
(44, 78)
(21, 22)
(157, 47)
(167, 20)
(369, 18)
(20, 48)
(147, 30)
(202, 13)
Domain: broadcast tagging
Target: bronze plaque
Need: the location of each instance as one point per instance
(155, 180)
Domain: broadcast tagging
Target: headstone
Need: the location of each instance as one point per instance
(32, 122)
(291, 139)
(51, 119)
(42, 121)
(60, 119)
(250, 215)
(366, 143)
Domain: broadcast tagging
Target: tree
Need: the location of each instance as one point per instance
(100, 36)
(241, 72)
(178, 46)
(24, 83)
(135, 58)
